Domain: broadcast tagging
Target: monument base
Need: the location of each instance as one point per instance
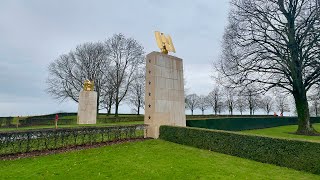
(164, 98)
(87, 110)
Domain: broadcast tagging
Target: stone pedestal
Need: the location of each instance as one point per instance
(87, 110)
(164, 98)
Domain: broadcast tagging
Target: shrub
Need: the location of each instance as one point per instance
(238, 124)
(299, 155)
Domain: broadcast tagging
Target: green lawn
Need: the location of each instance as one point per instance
(74, 125)
(285, 132)
(151, 159)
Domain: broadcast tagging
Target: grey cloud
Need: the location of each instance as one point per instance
(33, 33)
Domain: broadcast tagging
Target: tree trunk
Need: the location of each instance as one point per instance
(116, 113)
(202, 112)
(138, 109)
(304, 125)
(109, 110)
(117, 104)
(98, 99)
(109, 105)
(191, 111)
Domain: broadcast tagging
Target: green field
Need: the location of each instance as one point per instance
(285, 132)
(150, 159)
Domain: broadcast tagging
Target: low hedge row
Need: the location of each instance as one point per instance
(6, 121)
(246, 123)
(108, 119)
(299, 155)
(46, 121)
(212, 116)
(45, 139)
(65, 120)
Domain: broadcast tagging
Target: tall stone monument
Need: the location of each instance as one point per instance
(87, 110)
(164, 98)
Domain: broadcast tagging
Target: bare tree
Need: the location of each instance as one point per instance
(68, 73)
(315, 103)
(126, 56)
(315, 106)
(215, 100)
(108, 98)
(221, 107)
(230, 100)
(241, 104)
(136, 92)
(267, 104)
(282, 104)
(192, 102)
(275, 43)
(203, 103)
(253, 99)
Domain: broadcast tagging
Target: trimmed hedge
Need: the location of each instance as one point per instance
(46, 139)
(295, 154)
(71, 118)
(212, 116)
(239, 124)
(6, 121)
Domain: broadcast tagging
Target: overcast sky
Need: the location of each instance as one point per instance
(33, 33)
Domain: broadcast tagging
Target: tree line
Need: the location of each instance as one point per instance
(222, 100)
(225, 100)
(116, 66)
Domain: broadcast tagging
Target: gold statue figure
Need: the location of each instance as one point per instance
(164, 42)
(88, 85)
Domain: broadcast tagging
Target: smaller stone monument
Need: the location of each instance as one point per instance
(87, 110)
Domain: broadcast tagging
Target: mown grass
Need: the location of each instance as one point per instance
(151, 159)
(285, 132)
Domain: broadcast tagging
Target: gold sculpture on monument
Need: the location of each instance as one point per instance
(88, 85)
(164, 42)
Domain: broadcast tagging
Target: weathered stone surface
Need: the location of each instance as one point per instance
(87, 109)
(164, 99)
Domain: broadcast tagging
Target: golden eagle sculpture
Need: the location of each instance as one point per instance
(88, 85)
(164, 42)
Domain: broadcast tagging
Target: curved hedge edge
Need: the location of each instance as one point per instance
(246, 123)
(245, 134)
(295, 154)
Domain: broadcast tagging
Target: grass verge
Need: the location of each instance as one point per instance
(285, 132)
(151, 159)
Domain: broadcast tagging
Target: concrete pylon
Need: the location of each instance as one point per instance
(164, 96)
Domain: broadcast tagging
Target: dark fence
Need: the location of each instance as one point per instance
(238, 124)
(296, 154)
(31, 140)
